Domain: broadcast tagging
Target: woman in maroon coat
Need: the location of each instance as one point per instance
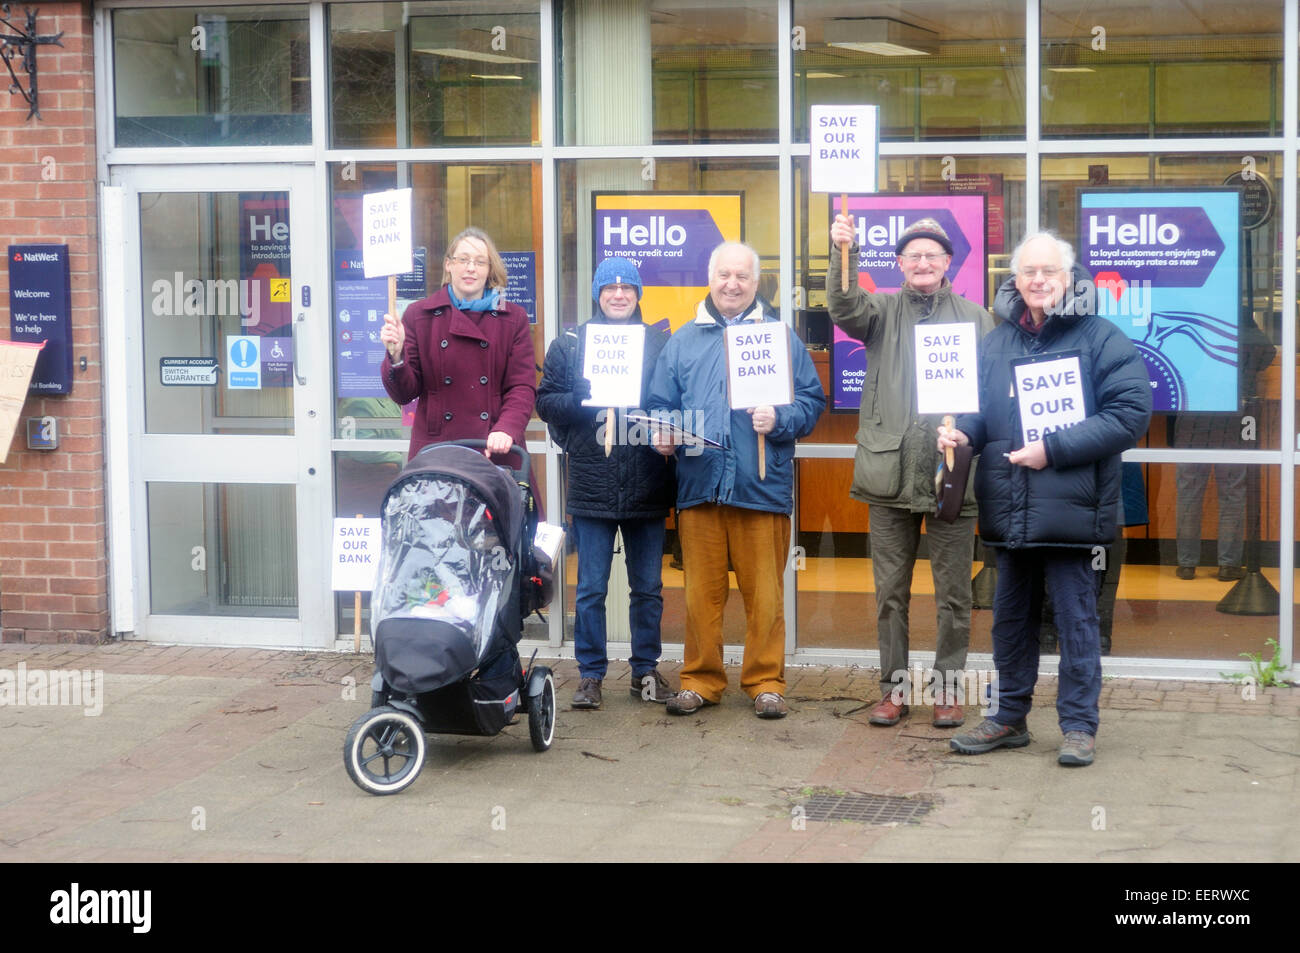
(465, 353)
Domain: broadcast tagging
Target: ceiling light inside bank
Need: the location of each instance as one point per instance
(882, 36)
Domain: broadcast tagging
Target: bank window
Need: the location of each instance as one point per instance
(1112, 68)
(218, 349)
(503, 199)
(667, 72)
(435, 74)
(221, 76)
(934, 74)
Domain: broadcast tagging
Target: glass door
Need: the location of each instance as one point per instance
(228, 397)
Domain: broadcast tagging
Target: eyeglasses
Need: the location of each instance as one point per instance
(1049, 272)
(464, 261)
(913, 257)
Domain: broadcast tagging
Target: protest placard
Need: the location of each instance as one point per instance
(946, 369)
(612, 362)
(386, 233)
(17, 358)
(758, 371)
(843, 142)
(1050, 395)
(354, 558)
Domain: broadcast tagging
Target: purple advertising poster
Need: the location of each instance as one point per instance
(880, 220)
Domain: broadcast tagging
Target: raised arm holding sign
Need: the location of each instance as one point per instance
(916, 342)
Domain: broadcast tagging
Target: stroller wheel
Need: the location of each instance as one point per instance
(384, 750)
(541, 715)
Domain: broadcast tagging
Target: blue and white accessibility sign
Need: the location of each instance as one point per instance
(244, 353)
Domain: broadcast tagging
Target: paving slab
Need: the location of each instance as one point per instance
(236, 755)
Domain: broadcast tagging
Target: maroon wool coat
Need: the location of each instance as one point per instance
(473, 373)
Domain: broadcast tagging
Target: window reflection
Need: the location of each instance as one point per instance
(225, 76)
(1112, 68)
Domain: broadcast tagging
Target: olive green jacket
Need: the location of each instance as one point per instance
(897, 455)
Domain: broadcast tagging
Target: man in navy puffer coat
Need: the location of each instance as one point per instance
(1049, 506)
(631, 491)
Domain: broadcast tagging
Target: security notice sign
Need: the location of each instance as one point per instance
(758, 365)
(355, 555)
(386, 233)
(946, 369)
(612, 362)
(1050, 394)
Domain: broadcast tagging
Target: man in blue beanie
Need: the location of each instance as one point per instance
(630, 491)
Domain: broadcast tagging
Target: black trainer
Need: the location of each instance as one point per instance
(987, 735)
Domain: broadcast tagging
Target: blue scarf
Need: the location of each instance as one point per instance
(489, 301)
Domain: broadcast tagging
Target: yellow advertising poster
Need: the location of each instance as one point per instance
(17, 358)
(668, 236)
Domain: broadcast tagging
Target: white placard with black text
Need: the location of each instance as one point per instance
(758, 365)
(842, 149)
(386, 233)
(946, 369)
(1050, 395)
(612, 362)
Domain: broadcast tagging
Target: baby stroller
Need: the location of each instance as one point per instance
(457, 577)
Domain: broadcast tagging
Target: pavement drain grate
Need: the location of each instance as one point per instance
(867, 808)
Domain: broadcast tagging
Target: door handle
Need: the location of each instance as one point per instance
(298, 369)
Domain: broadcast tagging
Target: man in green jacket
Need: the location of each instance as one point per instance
(897, 459)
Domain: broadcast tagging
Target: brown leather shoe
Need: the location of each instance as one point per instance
(947, 713)
(887, 712)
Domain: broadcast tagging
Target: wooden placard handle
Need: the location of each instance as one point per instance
(949, 456)
(609, 430)
(844, 249)
(356, 607)
(762, 457)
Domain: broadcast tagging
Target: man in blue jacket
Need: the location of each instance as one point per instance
(1050, 505)
(629, 491)
(725, 512)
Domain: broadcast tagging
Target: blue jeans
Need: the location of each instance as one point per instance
(643, 550)
(1017, 614)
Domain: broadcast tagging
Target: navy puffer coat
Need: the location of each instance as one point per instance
(634, 481)
(1072, 501)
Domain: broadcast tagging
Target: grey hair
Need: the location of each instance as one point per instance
(1065, 248)
(727, 246)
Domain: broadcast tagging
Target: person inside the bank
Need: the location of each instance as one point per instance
(629, 491)
(1047, 504)
(464, 353)
(893, 471)
(726, 512)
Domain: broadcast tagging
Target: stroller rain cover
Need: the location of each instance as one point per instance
(447, 579)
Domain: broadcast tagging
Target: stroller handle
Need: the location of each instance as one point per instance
(524, 473)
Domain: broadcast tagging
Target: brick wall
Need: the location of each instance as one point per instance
(53, 567)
